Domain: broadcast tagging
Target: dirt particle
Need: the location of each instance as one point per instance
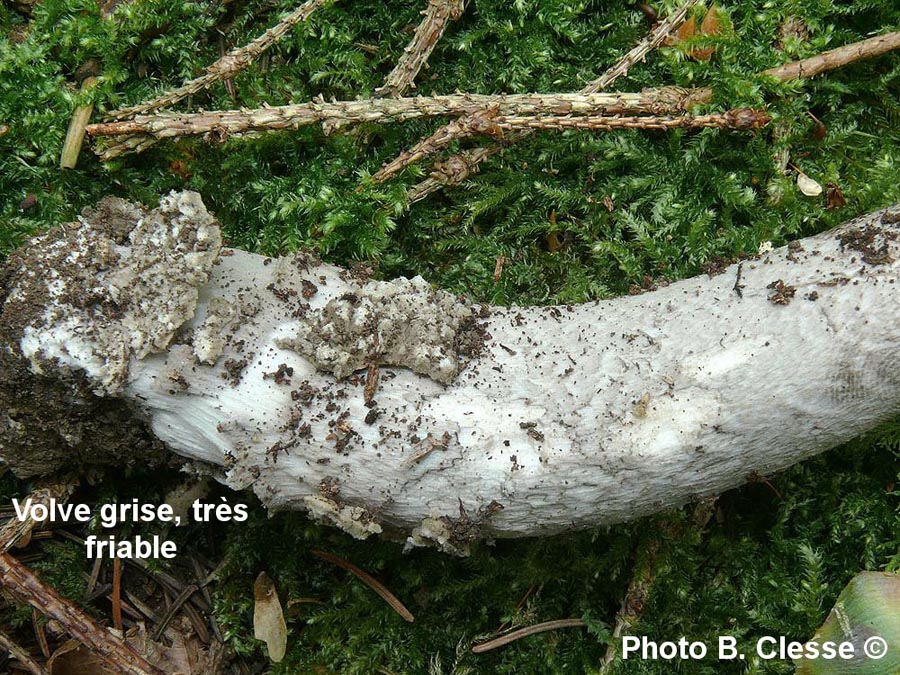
(308, 289)
(330, 487)
(282, 375)
(871, 242)
(234, 370)
(781, 293)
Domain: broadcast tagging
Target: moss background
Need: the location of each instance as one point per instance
(772, 560)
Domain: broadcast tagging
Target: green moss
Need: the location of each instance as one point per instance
(765, 565)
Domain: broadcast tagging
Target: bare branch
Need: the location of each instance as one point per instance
(438, 15)
(226, 67)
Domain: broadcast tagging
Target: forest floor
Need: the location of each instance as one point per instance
(571, 216)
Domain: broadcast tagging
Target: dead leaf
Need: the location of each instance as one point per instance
(711, 25)
(808, 186)
(185, 656)
(834, 197)
(182, 497)
(498, 268)
(268, 617)
(687, 30)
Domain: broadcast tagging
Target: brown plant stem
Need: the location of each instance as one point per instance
(437, 17)
(835, 58)
(226, 67)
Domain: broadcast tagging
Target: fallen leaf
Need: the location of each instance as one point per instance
(185, 655)
(867, 615)
(710, 25)
(808, 186)
(834, 197)
(268, 617)
(553, 242)
(182, 497)
(687, 30)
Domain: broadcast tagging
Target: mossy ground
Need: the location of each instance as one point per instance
(766, 564)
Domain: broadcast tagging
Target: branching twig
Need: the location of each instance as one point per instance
(494, 125)
(226, 67)
(804, 68)
(638, 53)
(24, 586)
(225, 123)
(438, 15)
(430, 145)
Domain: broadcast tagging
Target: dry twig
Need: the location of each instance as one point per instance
(835, 58)
(226, 67)
(438, 15)
(739, 118)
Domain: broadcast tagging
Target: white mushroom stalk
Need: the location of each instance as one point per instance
(392, 406)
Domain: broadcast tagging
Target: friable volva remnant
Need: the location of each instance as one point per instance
(393, 408)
